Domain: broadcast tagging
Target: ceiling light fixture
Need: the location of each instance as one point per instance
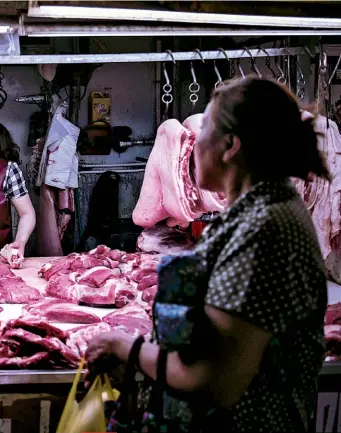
(95, 13)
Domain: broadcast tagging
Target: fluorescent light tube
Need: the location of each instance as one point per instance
(5, 29)
(94, 13)
(36, 32)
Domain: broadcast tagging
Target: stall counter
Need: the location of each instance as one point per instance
(42, 393)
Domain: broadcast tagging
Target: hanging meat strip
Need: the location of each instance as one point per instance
(323, 199)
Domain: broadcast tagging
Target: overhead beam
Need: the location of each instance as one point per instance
(147, 57)
(106, 30)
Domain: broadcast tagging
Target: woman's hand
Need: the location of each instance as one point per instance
(101, 355)
(14, 254)
(18, 245)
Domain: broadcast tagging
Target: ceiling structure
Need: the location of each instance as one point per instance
(278, 8)
(231, 19)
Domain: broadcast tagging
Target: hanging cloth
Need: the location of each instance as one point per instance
(57, 176)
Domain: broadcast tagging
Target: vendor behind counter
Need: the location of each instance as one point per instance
(13, 190)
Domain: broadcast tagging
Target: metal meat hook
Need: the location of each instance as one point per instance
(239, 66)
(323, 64)
(167, 97)
(220, 81)
(194, 87)
(281, 79)
(225, 54)
(172, 56)
(301, 79)
(166, 87)
(334, 71)
(253, 63)
(199, 54)
(309, 52)
(268, 61)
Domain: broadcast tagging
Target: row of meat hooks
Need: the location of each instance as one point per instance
(194, 86)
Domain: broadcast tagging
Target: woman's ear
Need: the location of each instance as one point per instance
(232, 148)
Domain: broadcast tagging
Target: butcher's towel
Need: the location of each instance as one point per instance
(59, 162)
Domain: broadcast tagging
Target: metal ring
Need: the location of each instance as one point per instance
(194, 87)
(193, 97)
(167, 88)
(300, 94)
(218, 83)
(167, 98)
(282, 80)
(301, 81)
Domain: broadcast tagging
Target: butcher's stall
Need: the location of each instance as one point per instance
(105, 107)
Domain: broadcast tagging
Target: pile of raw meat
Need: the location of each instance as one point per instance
(124, 283)
(169, 191)
(32, 342)
(323, 199)
(35, 343)
(102, 277)
(132, 320)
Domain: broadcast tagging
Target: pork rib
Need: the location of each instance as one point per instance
(57, 310)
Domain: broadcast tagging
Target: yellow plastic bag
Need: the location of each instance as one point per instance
(87, 415)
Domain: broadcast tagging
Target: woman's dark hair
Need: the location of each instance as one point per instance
(8, 149)
(265, 115)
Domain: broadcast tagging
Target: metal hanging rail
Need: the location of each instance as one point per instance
(147, 57)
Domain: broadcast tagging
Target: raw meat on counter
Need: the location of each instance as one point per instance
(79, 338)
(116, 282)
(169, 191)
(134, 326)
(333, 314)
(116, 291)
(164, 240)
(34, 343)
(56, 310)
(149, 294)
(14, 290)
(132, 310)
(30, 342)
(98, 276)
(12, 255)
(131, 319)
(100, 256)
